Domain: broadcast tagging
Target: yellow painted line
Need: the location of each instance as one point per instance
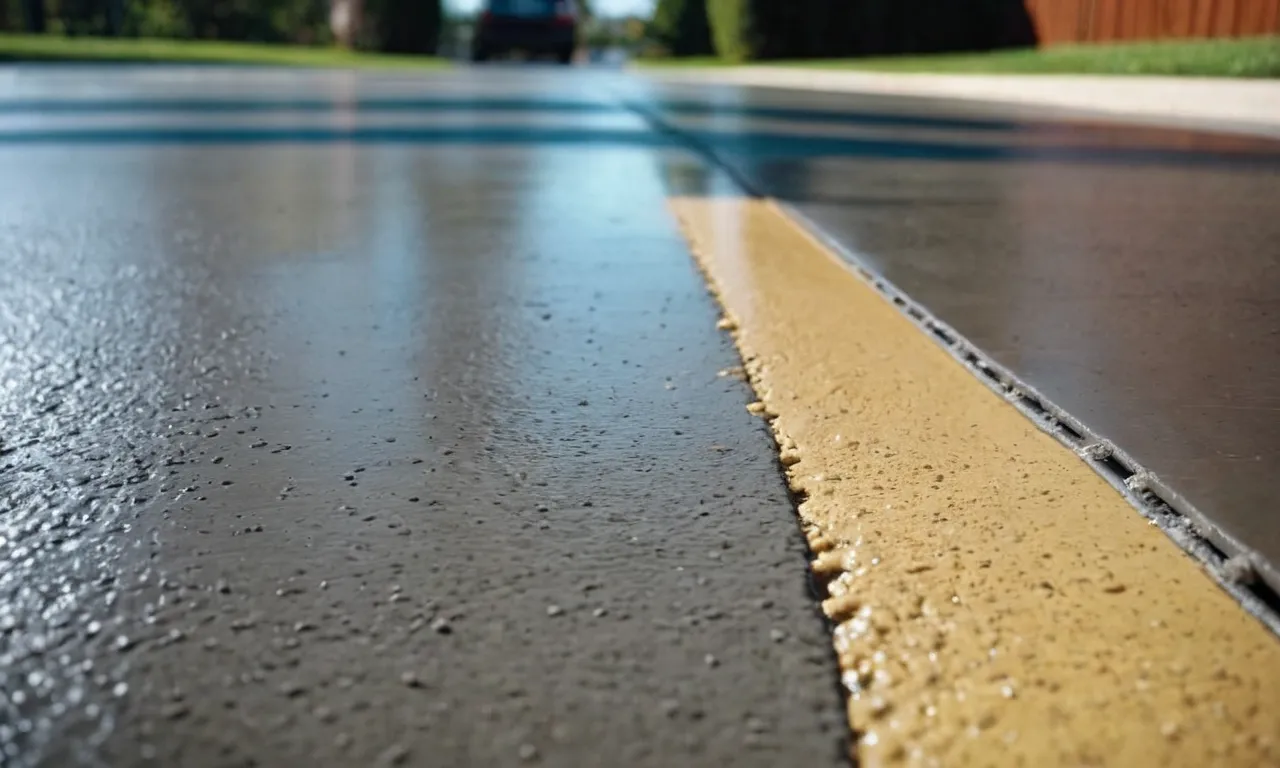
(997, 603)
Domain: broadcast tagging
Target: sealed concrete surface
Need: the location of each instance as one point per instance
(380, 420)
(362, 448)
(1129, 275)
(997, 602)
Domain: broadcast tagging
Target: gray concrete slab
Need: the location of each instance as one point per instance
(329, 441)
(1129, 275)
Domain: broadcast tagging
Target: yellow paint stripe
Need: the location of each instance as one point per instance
(997, 602)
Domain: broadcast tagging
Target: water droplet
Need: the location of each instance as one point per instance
(396, 754)
(292, 689)
(175, 711)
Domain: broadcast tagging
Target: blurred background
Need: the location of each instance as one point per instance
(722, 31)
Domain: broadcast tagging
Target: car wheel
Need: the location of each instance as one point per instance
(565, 56)
(479, 55)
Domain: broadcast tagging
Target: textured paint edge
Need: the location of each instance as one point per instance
(1238, 570)
(831, 552)
(1251, 581)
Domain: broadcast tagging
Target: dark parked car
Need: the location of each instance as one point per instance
(537, 27)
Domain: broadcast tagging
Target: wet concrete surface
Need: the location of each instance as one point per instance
(376, 418)
(996, 601)
(1130, 275)
(398, 450)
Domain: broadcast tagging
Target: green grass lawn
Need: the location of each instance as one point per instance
(1257, 57)
(83, 49)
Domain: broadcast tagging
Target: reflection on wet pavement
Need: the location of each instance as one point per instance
(1140, 297)
(996, 601)
(400, 453)
(350, 418)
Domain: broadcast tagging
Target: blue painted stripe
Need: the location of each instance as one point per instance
(755, 146)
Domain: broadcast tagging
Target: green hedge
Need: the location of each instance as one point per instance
(871, 27)
(401, 26)
(747, 30)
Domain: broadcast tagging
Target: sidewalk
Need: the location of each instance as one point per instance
(1244, 106)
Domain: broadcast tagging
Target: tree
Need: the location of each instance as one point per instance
(156, 18)
(115, 17)
(407, 26)
(345, 17)
(745, 30)
(34, 16)
(733, 29)
(681, 27)
(266, 21)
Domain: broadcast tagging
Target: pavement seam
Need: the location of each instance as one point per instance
(1246, 576)
(822, 571)
(1238, 570)
(1108, 604)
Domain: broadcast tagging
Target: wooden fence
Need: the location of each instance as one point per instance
(1072, 21)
